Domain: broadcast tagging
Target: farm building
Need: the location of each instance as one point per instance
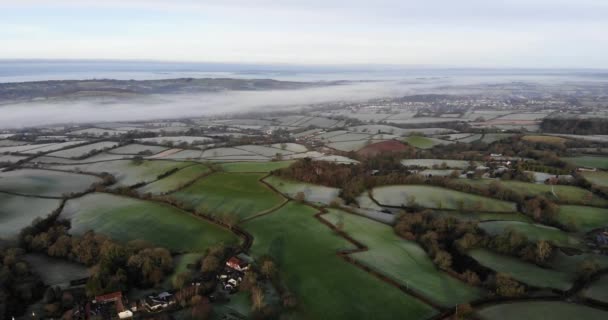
(237, 264)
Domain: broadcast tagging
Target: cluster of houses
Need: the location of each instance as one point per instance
(232, 275)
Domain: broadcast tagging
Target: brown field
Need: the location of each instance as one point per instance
(381, 147)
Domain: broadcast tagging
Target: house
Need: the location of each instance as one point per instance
(159, 302)
(237, 264)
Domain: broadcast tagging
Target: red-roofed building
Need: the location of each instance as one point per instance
(237, 264)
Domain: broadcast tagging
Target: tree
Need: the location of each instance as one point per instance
(268, 268)
(300, 197)
(210, 263)
(443, 260)
(587, 268)
(543, 251)
(507, 287)
(257, 299)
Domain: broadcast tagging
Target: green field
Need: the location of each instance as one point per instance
(125, 219)
(402, 260)
(598, 290)
(255, 166)
(599, 178)
(126, 172)
(176, 180)
(565, 194)
(570, 263)
(589, 161)
(522, 271)
(180, 264)
(554, 310)
(17, 212)
(327, 287)
(584, 218)
(313, 193)
(55, 271)
(482, 216)
(230, 193)
(439, 198)
(421, 142)
(45, 182)
(534, 232)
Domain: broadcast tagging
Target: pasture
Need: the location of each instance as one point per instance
(404, 261)
(126, 219)
(533, 232)
(312, 193)
(169, 141)
(438, 198)
(555, 310)
(255, 166)
(599, 178)
(17, 212)
(79, 152)
(424, 142)
(598, 290)
(135, 149)
(55, 271)
(175, 180)
(545, 139)
(598, 162)
(327, 287)
(430, 163)
(522, 271)
(582, 217)
(45, 182)
(239, 194)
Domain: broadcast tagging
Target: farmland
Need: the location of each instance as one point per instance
(425, 196)
(540, 310)
(56, 272)
(326, 284)
(533, 232)
(599, 178)
(17, 212)
(402, 260)
(598, 290)
(255, 166)
(238, 194)
(423, 142)
(583, 218)
(82, 151)
(138, 149)
(44, 182)
(176, 180)
(589, 161)
(429, 163)
(125, 219)
(312, 193)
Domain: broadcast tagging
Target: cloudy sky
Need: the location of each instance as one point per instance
(447, 33)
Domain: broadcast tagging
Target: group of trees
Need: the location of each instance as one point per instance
(115, 267)
(18, 285)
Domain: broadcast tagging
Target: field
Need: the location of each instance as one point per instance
(522, 271)
(554, 310)
(126, 219)
(584, 218)
(54, 271)
(313, 193)
(44, 182)
(138, 149)
(429, 163)
(10, 158)
(18, 212)
(82, 151)
(176, 180)
(126, 172)
(599, 178)
(53, 147)
(589, 161)
(255, 166)
(534, 232)
(384, 146)
(424, 142)
(177, 140)
(240, 194)
(598, 290)
(402, 260)
(438, 198)
(493, 137)
(327, 287)
(565, 194)
(545, 139)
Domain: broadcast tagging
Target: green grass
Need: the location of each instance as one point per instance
(598, 290)
(554, 310)
(565, 194)
(584, 218)
(599, 178)
(56, 271)
(44, 182)
(126, 219)
(570, 263)
(236, 193)
(533, 232)
(326, 286)
(589, 161)
(421, 142)
(180, 264)
(176, 180)
(313, 193)
(402, 260)
(18, 212)
(522, 271)
(486, 216)
(255, 166)
(439, 198)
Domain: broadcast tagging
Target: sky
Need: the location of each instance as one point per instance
(442, 33)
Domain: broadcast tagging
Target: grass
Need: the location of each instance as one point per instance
(429, 163)
(584, 218)
(312, 193)
(589, 161)
(545, 139)
(599, 178)
(522, 271)
(44, 182)
(439, 198)
(565, 194)
(126, 219)
(175, 180)
(240, 194)
(402, 260)
(533, 232)
(421, 142)
(598, 290)
(55, 271)
(180, 264)
(481, 216)
(326, 286)
(18, 212)
(255, 166)
(555, 310)
(570, 263)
